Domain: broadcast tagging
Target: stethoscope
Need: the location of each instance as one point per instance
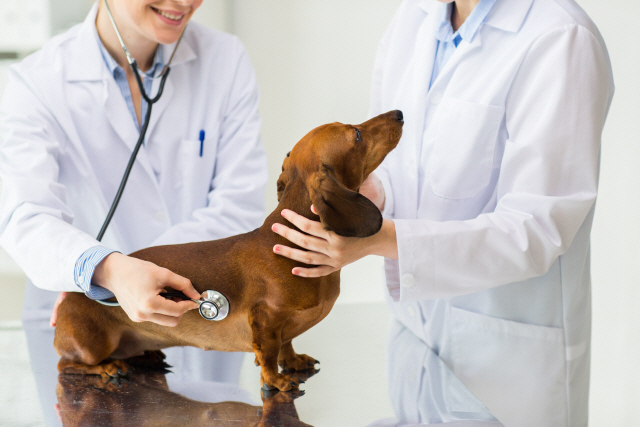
(212, 304)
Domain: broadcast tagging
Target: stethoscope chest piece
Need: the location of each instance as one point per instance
(213, 306)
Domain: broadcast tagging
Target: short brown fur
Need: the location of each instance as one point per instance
(269, 305)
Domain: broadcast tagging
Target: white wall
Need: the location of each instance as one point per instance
(615, 385)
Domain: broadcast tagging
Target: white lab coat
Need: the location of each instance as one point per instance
(492, 191)
(66, 136)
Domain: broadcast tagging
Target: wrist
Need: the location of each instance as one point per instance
(384, 241)
(103, 272)
(380, 199)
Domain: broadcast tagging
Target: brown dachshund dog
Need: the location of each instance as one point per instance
(269, 305)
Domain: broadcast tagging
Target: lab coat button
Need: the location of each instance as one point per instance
(81, 280)
(411, 312)
(160, 216)
(436, 97)
(407, 280)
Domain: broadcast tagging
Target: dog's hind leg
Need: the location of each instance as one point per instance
(289, 360)
(108, 370)
(267, 332)
(85, 344)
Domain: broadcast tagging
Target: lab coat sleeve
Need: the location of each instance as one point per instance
(555, 112)
(35, 223)
(236, 201)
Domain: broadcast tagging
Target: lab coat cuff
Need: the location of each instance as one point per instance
(387, 211)
(416, 260)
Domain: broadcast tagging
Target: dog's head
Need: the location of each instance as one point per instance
(333, 160)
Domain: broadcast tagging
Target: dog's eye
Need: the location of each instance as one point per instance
(358, 135)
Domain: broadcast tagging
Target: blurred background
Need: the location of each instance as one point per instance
(313, 60)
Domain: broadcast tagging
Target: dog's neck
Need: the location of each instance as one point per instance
(296, 198)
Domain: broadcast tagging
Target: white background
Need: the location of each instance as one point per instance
(314, 59)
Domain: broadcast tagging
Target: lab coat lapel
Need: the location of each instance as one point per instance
(119, 117)
(161, 105)
(463, 49)
(84, 62)
(425, 56)
(183, 54)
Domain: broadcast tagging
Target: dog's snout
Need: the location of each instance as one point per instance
(399, 116)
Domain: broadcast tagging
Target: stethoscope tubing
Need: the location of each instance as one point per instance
(134, 154)
(143, 130)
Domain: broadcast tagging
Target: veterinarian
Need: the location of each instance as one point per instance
(69, 119)
(489, 200)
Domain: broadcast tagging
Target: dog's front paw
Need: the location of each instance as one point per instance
(113, 369)
(281, 382)
(299, 362)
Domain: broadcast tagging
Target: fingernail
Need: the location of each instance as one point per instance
(276, 249)
(274, 227)
(284, 212)
(295, 271)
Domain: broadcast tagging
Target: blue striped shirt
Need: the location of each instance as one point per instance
(89, 260)
(448, 40)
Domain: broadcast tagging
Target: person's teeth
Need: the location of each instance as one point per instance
(168, 15)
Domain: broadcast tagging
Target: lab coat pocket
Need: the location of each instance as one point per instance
(195, 173)
(516, 370)
(465, 136)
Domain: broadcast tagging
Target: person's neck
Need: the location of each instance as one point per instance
(461, 11)
(142, 49)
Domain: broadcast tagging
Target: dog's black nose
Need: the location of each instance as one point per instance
(399, 116)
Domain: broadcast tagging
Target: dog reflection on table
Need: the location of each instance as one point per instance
(269, 305)
(144, 399)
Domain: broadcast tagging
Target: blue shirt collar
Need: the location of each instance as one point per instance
(469, 28)
(113, 67)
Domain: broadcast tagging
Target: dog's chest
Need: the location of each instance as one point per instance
(302, 320)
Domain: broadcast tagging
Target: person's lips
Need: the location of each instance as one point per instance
(170, 16)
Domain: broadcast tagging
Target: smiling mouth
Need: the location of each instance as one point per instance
(168, 15)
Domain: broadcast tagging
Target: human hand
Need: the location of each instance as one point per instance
(137, 285)
(328, 251)
(373, 190)
(54, 315)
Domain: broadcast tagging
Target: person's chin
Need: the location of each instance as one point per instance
(166, 36)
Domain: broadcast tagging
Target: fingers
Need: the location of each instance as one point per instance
(163, 320)
(306, 257)
(303, 240)
(320, 271)
(161, 311)
(306, 225)
(54, 315)
(180, 283)
(171, 308)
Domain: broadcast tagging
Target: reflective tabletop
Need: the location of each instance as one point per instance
(349, 389)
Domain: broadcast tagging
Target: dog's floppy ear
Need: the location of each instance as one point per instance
(345, 212)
